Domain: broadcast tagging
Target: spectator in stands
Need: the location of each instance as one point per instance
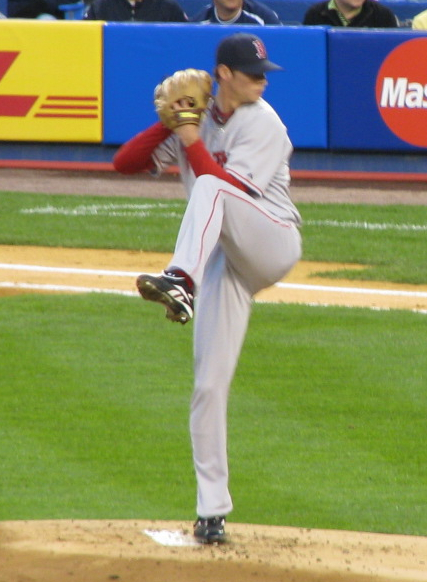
(236, 12)
(419, 21)
(351, 13)
(136, 10)
(34, 8)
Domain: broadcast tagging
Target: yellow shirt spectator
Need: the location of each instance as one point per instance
(420, 21)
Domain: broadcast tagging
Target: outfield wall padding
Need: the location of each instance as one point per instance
(136, 58)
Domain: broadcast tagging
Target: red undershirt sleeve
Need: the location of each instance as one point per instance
(202, 162)
(135, 155)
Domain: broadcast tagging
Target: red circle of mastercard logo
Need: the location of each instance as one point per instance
(401, 91)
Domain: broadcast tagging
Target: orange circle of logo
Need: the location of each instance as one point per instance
(401, 91)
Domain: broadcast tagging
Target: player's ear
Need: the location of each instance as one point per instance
(222, 72)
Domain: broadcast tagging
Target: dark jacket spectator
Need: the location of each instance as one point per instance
(370, 14)
(239, 12)
(140, 10)
(34, 8)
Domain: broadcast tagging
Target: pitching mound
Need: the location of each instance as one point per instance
(139, 551)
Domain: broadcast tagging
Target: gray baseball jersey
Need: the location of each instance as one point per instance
(262, 163)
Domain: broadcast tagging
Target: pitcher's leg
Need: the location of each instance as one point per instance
(200, 228)
(222, 314)
(261, 247)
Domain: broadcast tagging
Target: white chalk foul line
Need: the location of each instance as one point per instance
(115, 210)
(64, 288)
(295, 286)
(68, 270)
(74, 289)
(165, 209)
(367, 225)
(359, 290)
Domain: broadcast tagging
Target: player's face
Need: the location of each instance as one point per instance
(247, 88)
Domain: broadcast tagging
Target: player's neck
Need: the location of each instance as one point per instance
(219, 116)
(225, 103)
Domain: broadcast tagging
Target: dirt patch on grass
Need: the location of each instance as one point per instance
(95, 551)
(56, 270)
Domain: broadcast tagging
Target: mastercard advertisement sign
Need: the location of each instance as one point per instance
(50, 81)
(401, 91)
(378, 90)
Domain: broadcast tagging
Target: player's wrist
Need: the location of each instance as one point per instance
(188, 134)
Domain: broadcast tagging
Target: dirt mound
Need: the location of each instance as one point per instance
(95, 551)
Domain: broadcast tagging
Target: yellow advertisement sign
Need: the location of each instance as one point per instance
(50, 80)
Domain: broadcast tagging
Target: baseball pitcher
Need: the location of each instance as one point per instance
(239, 233)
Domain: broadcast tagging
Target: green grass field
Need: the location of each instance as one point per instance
(327, 411)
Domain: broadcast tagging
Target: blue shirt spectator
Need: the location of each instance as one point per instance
(236, 12)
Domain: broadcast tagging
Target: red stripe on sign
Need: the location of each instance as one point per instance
(69, 107)
(69, 115)
(16, 105)
(70, 98)
(6, 61)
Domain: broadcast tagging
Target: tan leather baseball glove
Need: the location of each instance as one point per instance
(183, 97)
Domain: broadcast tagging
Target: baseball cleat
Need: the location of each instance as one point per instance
(177, 299)
(210, 530)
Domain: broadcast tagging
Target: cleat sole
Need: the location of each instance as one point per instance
(149, 291)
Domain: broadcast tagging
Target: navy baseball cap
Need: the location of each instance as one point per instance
(246, 53)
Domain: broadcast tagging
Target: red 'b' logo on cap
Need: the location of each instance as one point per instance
(401, 91)
(261, 52)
